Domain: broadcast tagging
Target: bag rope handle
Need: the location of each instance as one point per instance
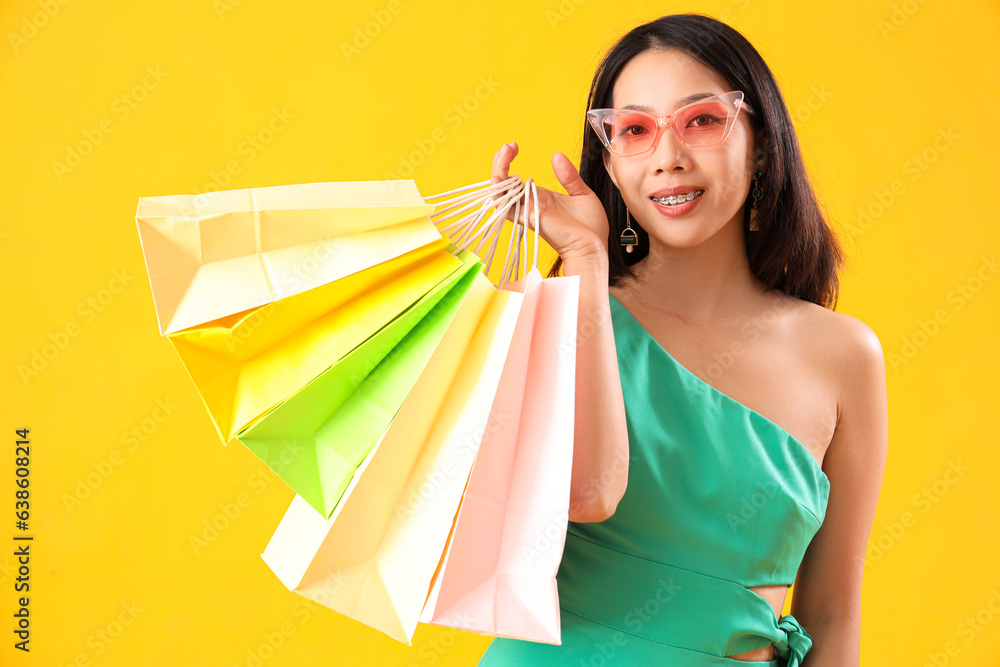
(473, 212)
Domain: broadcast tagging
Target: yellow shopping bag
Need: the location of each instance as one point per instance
(245, 364)
(215, 254)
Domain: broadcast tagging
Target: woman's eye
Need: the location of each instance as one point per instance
(633, 130)
(704, 120)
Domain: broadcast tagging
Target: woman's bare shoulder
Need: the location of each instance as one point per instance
(842, 359)
(842, 349)
(838, 337)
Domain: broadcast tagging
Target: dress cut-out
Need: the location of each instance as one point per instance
(719, 499)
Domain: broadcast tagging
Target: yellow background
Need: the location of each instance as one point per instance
(872, 86)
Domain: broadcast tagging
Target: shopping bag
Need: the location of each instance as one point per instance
(374, 559)
(317, 438)
(220, 253)
(498, 576)
(245, 364)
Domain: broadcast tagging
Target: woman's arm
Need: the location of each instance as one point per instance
(827, 595)
(600, 446)
(576, 226)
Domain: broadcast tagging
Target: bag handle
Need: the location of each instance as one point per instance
(465, 216)
(511, 264)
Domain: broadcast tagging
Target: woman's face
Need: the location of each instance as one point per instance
(657, 82)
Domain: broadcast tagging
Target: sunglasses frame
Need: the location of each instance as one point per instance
(733, 99)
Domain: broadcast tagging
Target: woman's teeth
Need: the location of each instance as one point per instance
(675, 200)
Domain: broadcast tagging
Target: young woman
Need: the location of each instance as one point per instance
(731, 428)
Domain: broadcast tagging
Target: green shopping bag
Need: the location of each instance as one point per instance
(317, 438)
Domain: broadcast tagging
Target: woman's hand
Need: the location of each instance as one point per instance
(574, 224)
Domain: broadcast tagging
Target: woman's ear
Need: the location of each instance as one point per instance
(606, 159)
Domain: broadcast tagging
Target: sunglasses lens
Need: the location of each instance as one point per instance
(703, 124)
(629, 133)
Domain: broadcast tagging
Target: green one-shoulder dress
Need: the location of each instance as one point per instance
(719, 498)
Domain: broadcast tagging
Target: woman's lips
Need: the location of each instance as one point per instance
(681, 208)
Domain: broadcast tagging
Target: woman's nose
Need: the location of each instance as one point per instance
(669, 153)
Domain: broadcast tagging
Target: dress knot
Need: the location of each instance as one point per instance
(795, 641)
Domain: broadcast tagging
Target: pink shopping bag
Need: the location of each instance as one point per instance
(498, 575)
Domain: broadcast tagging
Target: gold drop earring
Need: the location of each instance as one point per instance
(629, 239)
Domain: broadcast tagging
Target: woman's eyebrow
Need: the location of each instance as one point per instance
(680, 103)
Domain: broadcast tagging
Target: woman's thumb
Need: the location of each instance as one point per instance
(567, 174)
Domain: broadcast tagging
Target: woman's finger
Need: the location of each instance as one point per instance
(499, 170)
(494, 170)
(501, 167)
(567, 174)
(505, 160)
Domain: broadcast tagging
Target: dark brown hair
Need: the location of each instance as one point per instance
(793, 249)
